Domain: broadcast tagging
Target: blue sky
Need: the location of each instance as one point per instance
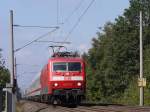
(44, 13)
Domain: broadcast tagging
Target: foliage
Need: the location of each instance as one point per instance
(4, 76)
(131, 94)
(114, 57)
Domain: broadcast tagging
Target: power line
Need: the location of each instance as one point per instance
(35, 40)
(79, 19)
(73, 12)
(57, 5)
(54, 42)
(70, 15)
(35, 26)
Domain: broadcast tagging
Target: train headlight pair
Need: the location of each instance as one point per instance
(55, 84)
(79, 84)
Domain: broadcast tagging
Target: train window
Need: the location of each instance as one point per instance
(60, 66)
(74, 66)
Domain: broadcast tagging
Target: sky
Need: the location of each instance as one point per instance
(65, 14)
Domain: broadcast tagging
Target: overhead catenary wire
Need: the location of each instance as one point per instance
(71, 14)
(36, 39)
(57, 9)
(23, 26)
(74, 11)
(68, 17)
(44, 41)
(79, 19)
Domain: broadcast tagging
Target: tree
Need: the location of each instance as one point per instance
(114, 55)
(4, 75)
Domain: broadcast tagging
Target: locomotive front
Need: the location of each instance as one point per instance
(67, 78)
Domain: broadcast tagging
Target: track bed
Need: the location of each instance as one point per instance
(28, 106)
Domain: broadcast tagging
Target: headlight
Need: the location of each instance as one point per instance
(55, 84)
(78, 84)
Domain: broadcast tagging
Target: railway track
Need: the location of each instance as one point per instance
(41, 107)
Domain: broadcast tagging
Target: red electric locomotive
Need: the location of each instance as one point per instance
(62, 80)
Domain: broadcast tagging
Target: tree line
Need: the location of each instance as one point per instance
(113, 60)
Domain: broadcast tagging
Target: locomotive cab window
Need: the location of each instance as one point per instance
(59, 66)
(74, 66)
(67, 66)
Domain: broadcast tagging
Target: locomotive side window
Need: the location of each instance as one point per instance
(59, 66)
(74, 66)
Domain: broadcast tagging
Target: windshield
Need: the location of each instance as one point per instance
(59, 67)
(74, 66)
(67, 66)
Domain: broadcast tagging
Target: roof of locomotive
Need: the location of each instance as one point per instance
(66, 59)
